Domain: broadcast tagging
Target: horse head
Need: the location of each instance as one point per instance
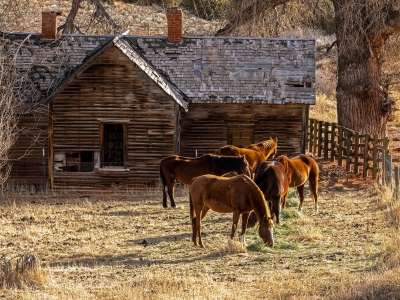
(266, 230)
(246, 168)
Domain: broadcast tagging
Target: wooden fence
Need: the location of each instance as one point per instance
(360, 153)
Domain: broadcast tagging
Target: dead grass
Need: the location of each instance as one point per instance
(129, 247)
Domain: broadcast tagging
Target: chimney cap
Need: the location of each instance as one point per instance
(53, 9)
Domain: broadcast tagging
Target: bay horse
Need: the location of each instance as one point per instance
(298, 170)
(273, 182)
(184, 169)
(238, 195)
(254, 153)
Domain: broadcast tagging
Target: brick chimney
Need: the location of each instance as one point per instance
(174, 21)
(49, 24)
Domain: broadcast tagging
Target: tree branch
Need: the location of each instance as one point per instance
(68, 26)
(100, 7)
(241, 17)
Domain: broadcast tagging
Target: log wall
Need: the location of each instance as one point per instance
(205, 126)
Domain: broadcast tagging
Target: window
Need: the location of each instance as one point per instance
(240, 130)
(240, 137)
(80, 161)
(113, 145)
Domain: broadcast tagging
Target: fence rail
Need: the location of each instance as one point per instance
(360, 153)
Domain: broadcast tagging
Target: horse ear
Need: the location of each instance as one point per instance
(276, 139)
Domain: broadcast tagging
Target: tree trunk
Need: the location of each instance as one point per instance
(362, 101)
(69, 26)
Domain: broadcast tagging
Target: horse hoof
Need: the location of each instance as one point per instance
(316, 209)
(165, 206)
(175, 207)
(299, 209)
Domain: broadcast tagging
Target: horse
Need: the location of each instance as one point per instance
(298, 170)
(184, 169)
(238, 195)
(273, 182)
(254, 153)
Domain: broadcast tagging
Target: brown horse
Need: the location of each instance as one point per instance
(238, 195)
(273, 182)
(184, 169)
(298, 170)
(254, 153)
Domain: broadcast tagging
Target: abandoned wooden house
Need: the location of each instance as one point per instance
(114, 106)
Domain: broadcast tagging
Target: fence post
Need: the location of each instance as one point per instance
(366, 156)
(340, 146)
(326, 146)
(396, 181)
(386, 144)
(311, 130)
(383, 168)
(356, 152)
(315, 137)
(375, 162)
(333, 145)
(319, 138)
(388, 168)
(348, 149)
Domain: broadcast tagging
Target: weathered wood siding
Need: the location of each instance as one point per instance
(114, 90)
(27, 153)
(205, 126)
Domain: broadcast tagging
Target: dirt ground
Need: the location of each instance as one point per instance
(103, 243)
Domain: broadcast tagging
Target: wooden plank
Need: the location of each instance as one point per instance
(366, 155)
(340, 146)
(333, 144)
(375, 155)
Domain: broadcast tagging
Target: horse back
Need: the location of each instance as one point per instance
(300, 169)
(224, 194)
(272, 180)
(253, 157)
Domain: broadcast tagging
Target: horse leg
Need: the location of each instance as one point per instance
(192, 216)
(164, 200)
(235, 220)
(198, 227)
(314, 192)
(245, 218)
(277, 209)
(171, 194)
(300, 190)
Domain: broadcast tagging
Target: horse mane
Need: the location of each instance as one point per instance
(268, 143)
(228, 163)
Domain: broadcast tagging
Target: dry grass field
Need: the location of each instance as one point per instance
(127, 246)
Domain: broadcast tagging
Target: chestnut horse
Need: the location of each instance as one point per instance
(298, 170)
(254, 153)
(184, 169)
(238, 195)
(273, 182)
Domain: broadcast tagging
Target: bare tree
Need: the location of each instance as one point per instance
(363, 28)
(98, 16)
(9, 107)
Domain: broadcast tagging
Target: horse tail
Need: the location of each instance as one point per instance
(163, 180)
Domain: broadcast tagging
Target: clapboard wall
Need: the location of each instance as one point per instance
(112, 90)
(205, 126)
(29, 167)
